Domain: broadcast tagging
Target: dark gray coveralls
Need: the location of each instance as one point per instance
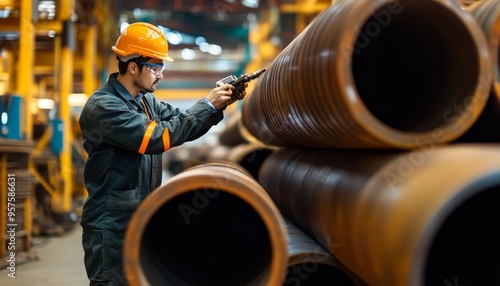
(124, 140)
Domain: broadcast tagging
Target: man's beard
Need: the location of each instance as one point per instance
(150, 88)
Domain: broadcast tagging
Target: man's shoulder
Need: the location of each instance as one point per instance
(105, 93)
(103, 97)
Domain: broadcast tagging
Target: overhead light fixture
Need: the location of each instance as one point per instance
(77, 99)
(5, 12)
(123, 26)
(5, 118)
(250, 3)
(188, 54)
(214, 49)
(204, 47)
(137, 12)
(47, 9)
(200, 40)
(45, 103)
(174, 38)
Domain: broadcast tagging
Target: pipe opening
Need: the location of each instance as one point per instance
(205, 237)
(415, 65)
(466, 248)
(313, 274)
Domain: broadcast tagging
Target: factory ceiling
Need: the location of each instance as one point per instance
(221, 22)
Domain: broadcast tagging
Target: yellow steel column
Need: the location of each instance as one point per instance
(11, 67)
(263, 49)
(56, 191)
(66, 87)
(28, 219)
(3, 205)
(89, 66)
(25, 70)
(301, 23)
(57, 65)
(4, 75)
(260, 38)
(89, 60)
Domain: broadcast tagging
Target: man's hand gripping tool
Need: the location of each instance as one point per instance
(239, 83)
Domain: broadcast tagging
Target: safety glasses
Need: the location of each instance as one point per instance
(155, 69)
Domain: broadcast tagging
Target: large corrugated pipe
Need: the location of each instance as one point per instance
(487, 14)
(374, 74)
(425, 217)
(309, 264)
(212, 224)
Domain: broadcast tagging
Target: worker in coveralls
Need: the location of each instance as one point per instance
(125, 130)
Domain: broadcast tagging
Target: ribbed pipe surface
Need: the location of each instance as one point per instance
(374, 74)
(211, 224)
(397, 218)
(487, 14)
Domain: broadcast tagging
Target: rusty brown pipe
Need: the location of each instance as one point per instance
(212, 224)
(487, 14)
(374, 74)
(231, 135)
(309, 264)
(250, 156)
(235, 132)
(397, 218)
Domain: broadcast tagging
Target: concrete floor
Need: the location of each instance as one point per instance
(59, 262)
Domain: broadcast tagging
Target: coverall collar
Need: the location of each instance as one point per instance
(122, 91)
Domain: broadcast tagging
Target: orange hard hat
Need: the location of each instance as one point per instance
(142, 39)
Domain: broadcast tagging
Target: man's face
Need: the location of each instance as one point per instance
(150, 74)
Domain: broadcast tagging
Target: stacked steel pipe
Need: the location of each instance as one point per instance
(250, 156)
(396, 218)
(235, 133)
(14, 170)
(231, 135)
(212, 224)
(361, 78)
(375, 74)
(310, 264)
(395, 80)
(487, 14)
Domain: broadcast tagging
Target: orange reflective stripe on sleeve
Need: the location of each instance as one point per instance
(166, 139)
(147, 137)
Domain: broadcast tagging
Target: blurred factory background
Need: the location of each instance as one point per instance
(54, 54)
